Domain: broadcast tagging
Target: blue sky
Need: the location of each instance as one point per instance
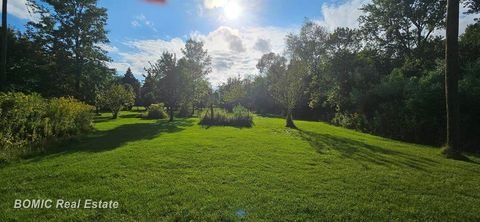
(235, 32)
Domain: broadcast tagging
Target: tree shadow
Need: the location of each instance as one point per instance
(205, 126)
(101, 119)
(365, 153)
(101, 141)
(134, 115)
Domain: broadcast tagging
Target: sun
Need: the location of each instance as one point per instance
(232, 10)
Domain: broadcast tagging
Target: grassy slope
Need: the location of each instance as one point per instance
(181, 171)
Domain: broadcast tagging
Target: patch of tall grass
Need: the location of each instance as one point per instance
(240, 117)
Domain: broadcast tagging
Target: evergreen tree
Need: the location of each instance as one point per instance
(71, 31)
(129, 79)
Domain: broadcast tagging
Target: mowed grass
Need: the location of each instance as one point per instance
(181, 171)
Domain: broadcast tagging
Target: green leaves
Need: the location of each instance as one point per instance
(115, 98)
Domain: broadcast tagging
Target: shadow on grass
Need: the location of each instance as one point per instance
(100, 141)
(205, 126)
(365, 153)
(101, 119)
(139, 115)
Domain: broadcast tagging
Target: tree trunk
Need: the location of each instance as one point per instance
(452, 149)
(290, 123)
(115, 114)
(171, 114)
(211, 112)
(3, 56)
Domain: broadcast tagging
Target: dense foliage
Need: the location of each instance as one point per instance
(398, 94)
(60, 54)
(180, 84)
(29, 122)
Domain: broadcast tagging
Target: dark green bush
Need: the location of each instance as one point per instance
(29, 122)
(240, 117)
(156, 111)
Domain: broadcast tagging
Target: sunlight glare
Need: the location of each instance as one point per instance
(232, 10)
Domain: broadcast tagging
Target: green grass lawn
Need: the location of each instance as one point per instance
(180, 171)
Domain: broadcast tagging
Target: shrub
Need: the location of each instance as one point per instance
(156, 111)
(29, 122)
(240, 117)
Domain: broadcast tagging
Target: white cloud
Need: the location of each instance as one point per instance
(19, 9)
(141, 20)
(343, 15)
(210, 4)
(108, 48)
(141, 52)
(234, 52)
(465, 19)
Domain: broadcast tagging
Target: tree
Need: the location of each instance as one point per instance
(285, 83)
(234, 92)
(115, 98)
(196, 65)
(169, 81)
(149, 90)
(402, 28)
(452, 149)
(72, 32)
(3, 56)
(129, 79)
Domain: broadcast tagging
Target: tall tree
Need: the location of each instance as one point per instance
(285, 82)
(148, 92)
(3, 56)
(196, 67)
(129, 79)
(451, 80)
(72, 31)
(165, 70)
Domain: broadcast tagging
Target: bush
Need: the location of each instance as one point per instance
(240, 117)
(29, 122)
(156, 111)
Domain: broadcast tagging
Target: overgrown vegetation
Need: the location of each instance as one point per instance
(28, 123)
(240, 117)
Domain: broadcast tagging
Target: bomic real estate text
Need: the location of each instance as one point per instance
(64, 204)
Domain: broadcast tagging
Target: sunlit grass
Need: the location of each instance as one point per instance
(182, 171)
